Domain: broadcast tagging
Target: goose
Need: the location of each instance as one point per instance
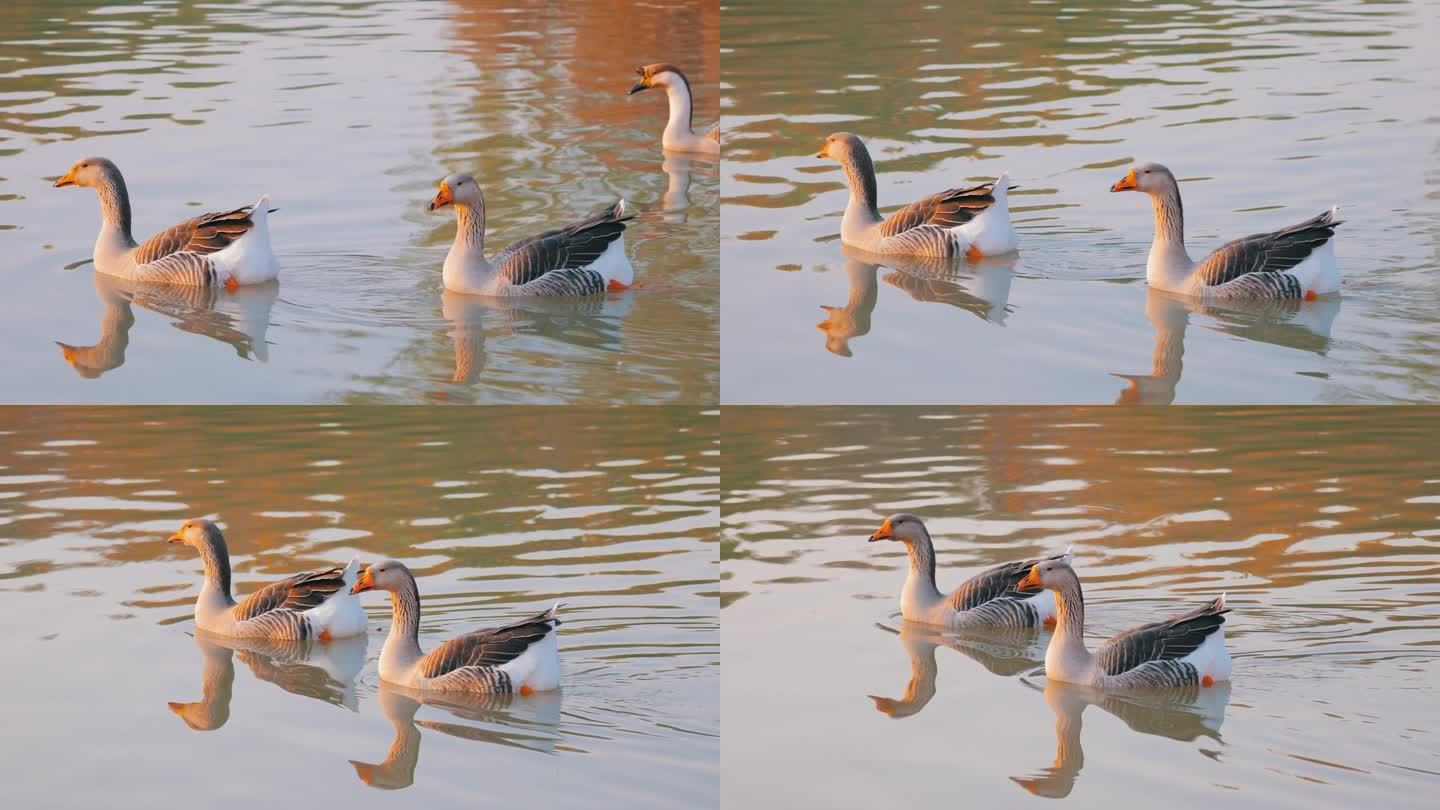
(521, 657)
(586, 258)
(972, 222)
(227, 248)
(315, 605)
(679, 134)
(1183, 650)
(988, 599)
(1293, 262)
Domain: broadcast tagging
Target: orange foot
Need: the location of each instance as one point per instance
(1310, 295)
(1207, 681)
(617, 286)
(1050, 622)
(231, 284)
(325, 634)
(525, 690)
(974, 253)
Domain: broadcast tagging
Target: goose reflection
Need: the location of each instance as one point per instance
(1004, 652)
(531, 722)
(590, 322)
(676, 199)
(238, 318)
(322, 671)
(1184, 714)
(981, 288)
(1303, 325)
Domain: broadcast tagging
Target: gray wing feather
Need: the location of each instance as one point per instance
(947, 209)
(1273, 252)
(487, 648)
(570, 248)
(1173, 638)
(995, 583)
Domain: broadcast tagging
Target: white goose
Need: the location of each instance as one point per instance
(971, 222)
(227, 248)
(1184, 650)
(679, 135)
(988, 599)
(522, 657)
(586, 258)
(1293, 262)
(316, 605)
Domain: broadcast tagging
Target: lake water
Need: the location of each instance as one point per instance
(1267, 112)
(1321, 524)
(348, 114)
(111, 700)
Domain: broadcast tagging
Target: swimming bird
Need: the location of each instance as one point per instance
(679, 134)
(971, 222)
(316, 605)
(1293, 262)
(520, 657)
(586, 258)
(228, 248)
(1183, 650)
(988, 599)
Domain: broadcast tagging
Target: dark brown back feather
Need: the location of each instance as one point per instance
(300, 592)
(947, 209)
(204, 234)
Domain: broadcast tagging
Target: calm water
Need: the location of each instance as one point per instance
(348, 114)
(1267, 112)
(1321, 524)
(95, 608)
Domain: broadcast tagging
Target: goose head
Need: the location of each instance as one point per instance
(900, 526)
(1151, 178)
(90, 172)
(196, 532)
(660, 74)
(386, 575)
(459, 189)
(1046, 575)
(842, 146)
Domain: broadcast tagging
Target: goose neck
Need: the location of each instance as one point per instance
(681, 122)
(115, 206)
(403, 643)
(920, 590)
(216, 558)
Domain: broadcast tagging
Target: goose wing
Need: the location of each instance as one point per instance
(995, 583)
(947, 209)
(1273, 252)
(298, 593)
(204, 234)
(486, 648)
(1175, 637)
(572, 248)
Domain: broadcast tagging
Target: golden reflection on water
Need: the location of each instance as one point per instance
(613, 512)
(1320, 523)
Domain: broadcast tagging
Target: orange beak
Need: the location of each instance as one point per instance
(1031, 582)
(364, 583)
(175, 538)
(883, 533)
(68, 179)
(824, 151)
(1126, 183)
(442, 198)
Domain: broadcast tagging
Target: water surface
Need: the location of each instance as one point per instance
(497, 524)
(1323, 525)
(1267, 112)
(348, 114)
